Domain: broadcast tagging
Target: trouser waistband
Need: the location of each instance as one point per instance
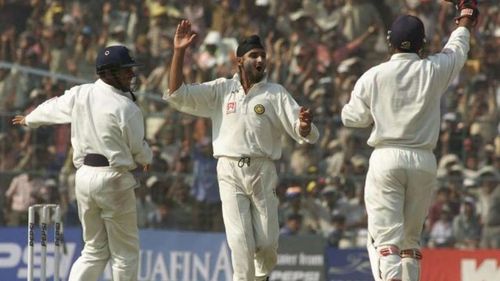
(95, 160)
(245, 160)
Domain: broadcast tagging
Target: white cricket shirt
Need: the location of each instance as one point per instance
(103, 119)
(401, 97)
(248, 125)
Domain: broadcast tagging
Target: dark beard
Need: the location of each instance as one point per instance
(255, 77)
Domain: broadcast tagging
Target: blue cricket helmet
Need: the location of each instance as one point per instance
(114, 58)
(407, 33)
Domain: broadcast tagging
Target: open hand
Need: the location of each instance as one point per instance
(19, 120)
(183, 35)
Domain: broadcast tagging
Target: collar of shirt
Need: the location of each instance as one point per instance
(102, 84)
(405, 56)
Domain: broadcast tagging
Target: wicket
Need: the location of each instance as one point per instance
(44, 222)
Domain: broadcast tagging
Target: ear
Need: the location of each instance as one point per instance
(239, 60)
(422, 52)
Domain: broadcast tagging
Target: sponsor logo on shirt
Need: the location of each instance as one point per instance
(259, 109)
(231, 107)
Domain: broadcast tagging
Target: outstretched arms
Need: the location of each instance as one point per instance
(56, 110)
(19, 120)
(184, 36)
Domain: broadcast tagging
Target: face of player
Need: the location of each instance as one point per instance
(122, 79)
(254, 65)
(126, 75)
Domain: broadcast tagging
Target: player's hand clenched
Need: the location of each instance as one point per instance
(305, 118)
(466, 9)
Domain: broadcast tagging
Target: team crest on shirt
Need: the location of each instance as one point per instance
(259, 109)
(231, 107)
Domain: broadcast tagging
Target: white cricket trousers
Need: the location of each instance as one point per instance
(250, 212)
(398, 192)
(107, 211)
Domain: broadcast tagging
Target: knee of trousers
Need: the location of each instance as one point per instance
(269, 245)
(91, 252)
(386, 250)
(390, 262)
(411, 253)
(268, 254)
(127, 261)
(380, 256)
(126, 254)
(237, 240)
(410, 260)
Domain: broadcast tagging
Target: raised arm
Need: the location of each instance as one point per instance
(467, 23)
(467, 12)
(183, 38)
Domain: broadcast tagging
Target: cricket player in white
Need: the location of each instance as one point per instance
(107, 135)
(400, 98)
(249, 116)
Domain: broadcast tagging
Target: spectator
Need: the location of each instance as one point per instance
(180, 205)
(23, 192)
(467, 227)
(295, 204)
(337, 231)
(145, 208)
(67, 190)
(224, 18)
(442, 198)
(331, 204)
(490, 207)
(159, 165)
(84, 54)
(205, 188)
(292, 225)
(302, 158)
(441, 235)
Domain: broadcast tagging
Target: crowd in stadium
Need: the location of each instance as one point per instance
(316, 48)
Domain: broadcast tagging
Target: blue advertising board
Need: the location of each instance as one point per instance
(347, 265)
(190, 256)
(300, 258)
(165, 256)
(14, 253)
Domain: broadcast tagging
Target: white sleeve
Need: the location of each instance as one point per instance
(56, 110)
(448, 63)
(288, 113)
(196, 99)
(311, 138)
(356, 113)
(133, 132)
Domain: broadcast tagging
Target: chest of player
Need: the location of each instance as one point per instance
(252, 106)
